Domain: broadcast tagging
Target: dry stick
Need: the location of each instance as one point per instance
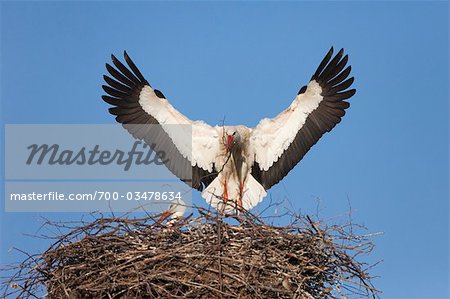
(219, 245)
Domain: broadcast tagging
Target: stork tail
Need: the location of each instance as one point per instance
(249, 195)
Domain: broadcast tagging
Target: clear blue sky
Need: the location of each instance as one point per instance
(245, 61)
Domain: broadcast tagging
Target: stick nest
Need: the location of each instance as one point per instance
(197, 257)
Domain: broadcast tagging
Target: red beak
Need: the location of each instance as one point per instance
(230, 140)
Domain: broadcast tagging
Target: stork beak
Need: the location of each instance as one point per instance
(230, 140)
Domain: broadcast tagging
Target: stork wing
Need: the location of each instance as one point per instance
(280, 143)
(138, 106)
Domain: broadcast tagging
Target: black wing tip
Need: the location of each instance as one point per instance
(323, 64)
(107, 99)
(331, 71)
(113, 111)
(341, 51)
(114, 58)
(123, 85)
(352, 92)
(326, 61)
(107, 79)
(334, 71)
(126, 57)
(330, 52)
(134, 68)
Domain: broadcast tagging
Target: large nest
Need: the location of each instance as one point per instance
(198, 257)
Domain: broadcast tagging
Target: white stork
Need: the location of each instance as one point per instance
(233, 166)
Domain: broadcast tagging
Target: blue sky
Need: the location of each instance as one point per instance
(245, 61)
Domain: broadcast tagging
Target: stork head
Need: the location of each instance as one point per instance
(233, 138)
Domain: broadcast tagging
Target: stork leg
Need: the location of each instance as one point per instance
(224, 197)
(239, 202)
(225, 192)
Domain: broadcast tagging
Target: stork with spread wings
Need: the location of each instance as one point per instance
(233, 166)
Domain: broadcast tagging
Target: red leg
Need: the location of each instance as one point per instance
(241, 188)
(225, 192)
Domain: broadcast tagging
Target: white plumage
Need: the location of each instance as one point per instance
(233, 166)
(272, 137)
